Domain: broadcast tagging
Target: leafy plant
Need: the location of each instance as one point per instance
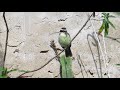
(5, 72)
(66, 67)
(105, 24)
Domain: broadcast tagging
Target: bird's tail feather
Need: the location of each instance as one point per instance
(68, 52)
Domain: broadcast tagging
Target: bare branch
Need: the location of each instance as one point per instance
(6, 42)
(15, 45)
(53, 46)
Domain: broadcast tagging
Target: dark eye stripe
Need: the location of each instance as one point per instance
(63, 31)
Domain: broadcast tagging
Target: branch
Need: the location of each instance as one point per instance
(61, 51)
(82, 27)
(6, 42)
(53, 46)
(15, 45)
(115, 39)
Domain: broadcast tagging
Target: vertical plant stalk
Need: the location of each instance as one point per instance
(66, 67)
(100, 47)
(6, 42)
(105, 51)
(80, 66)
(93, 54)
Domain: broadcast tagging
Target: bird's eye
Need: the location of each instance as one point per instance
(61, 30)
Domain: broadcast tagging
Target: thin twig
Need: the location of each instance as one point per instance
(115, 39)
(6, 42)
(53, 46)
(92, 54)
(83, 65)
(98, 54)
(62, 50)
(82, 27)
(80, 66)
(15, 45)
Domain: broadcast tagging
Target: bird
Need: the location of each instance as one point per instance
(65, 41)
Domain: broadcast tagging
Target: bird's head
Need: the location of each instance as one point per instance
(63, 29)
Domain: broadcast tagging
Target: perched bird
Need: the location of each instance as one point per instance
(65, 41)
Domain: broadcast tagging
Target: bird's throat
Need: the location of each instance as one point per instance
(63, 34)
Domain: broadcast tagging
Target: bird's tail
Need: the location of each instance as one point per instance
(68, 52)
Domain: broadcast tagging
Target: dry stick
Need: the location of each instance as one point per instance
(105, 52)
(6, 42)
(15, 45)
(98, 44)
(98, 55)
(53, 46)
(83, 65)
(80, 66)
(61, 51)
(106, 58)
(82, 27)
(100, 47)
(113, 38)
(92, 53)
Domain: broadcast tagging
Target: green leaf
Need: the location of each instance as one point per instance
(12, 70)
(106, 32)
(66, 67)
(69, 67)
(112, 25)
(63, 66)
(4, 73)
(106, 20)
(1, 69)
(105, 24)
(106, 29)
(3, 76)
(118, 64)
(104, 14)
(101, 28)
(107, 14)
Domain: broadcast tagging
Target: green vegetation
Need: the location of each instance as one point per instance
(105, 24)
(66, 67)
(5, 71)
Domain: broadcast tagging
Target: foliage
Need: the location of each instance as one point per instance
(105, 24)
(118, 64)
(5, 71)
(66, 66)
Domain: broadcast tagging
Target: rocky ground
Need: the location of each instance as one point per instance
(31, 33)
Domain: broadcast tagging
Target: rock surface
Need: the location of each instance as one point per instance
(30, 33)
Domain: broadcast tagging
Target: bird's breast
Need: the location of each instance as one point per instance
(62, 35)
(64, 39)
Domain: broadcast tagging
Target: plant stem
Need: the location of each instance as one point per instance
(6, 42)
(100, 48)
